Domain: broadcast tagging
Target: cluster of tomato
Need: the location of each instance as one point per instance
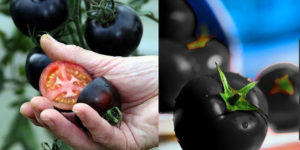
(227, 110)
(113, 29)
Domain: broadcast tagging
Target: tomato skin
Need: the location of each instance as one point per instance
(284, 110)
(177, 65)
(118, 38)
(199, 103)
(39, 15)
(61, 82)
(101, 95)
(177, 20)
(175, 69)
(36, 61)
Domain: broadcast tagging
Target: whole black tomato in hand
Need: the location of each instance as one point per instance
(36, 61)
(228, 113)
(178, 65)
(280, 84)
(38, 15)
(118, 38)
(102, 96)
(177, 20)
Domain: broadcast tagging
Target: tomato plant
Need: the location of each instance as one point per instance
(65, 21)
(118, 36)
(32, 16)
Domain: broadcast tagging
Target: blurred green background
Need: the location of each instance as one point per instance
(14, 88)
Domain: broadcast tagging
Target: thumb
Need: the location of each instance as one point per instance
(72, 53)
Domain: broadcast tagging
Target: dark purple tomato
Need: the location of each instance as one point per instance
(213, 52)
(201, 113)
(102, 96)
(176, 20)
(118, 38)
(38, 15)
(36, 61)
(177, 65)
(280, 84)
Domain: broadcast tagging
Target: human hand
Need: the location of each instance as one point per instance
(136, 79)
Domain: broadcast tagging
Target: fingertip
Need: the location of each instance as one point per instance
(40, 103)
(26, 110)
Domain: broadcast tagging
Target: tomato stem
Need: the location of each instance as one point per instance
(113, 116)
(77, 23)
(236, 99)
(103, 11)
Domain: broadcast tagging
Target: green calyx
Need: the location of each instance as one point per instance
(236, 99)
(103, 11)
(113, 116)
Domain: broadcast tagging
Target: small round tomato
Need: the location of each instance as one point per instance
(38, 15)
(118, 38)
(102, 96)
(61, 82)
(36, 61)
(177, 20)
(280, 84)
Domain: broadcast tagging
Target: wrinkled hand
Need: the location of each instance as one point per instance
(136, 79)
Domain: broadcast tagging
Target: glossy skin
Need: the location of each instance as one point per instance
(118, 38)
(39, 15)
(200, 103)
(101, 95)
(175, 69)
(36, 61)
(178, 65)
(177, 20)
(284, 110)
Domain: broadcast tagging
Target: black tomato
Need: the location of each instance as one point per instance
(118, 38)
(176, 20)
(280, 84)
(228, 114)
(36, 61)
(38, 15)
(175, 68)
(178, 65)
(102, 96)
(214, 52)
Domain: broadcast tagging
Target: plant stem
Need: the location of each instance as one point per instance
(77, 23)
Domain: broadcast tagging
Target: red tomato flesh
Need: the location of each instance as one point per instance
(61, 82)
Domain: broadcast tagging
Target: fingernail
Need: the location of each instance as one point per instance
(47, 36)
(50, 37)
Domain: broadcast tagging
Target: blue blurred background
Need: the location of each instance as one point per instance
(268, 31)
(258, 32)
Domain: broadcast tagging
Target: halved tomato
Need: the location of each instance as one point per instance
(61, 82)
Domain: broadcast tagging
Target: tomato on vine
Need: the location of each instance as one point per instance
(113, 29)
(33, 16)
(36, 61)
